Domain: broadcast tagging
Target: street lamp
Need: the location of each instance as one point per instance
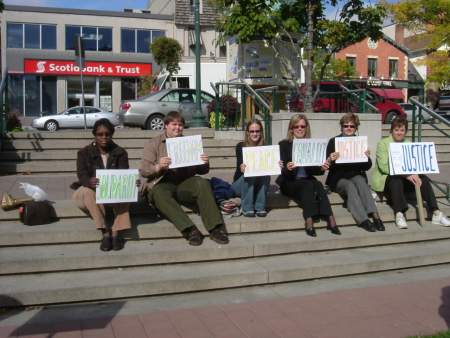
(198, 120)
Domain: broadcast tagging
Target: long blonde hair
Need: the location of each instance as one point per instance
(294, 120)
(247, 141)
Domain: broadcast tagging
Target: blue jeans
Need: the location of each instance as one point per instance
(253, 192)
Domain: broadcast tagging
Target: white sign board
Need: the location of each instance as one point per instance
(261, 161)
(406, 158)
(351, 149)
(309, 152)
(116, 186)
(185, 151)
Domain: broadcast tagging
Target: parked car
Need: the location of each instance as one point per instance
(74, 118)
(329, 100)
(149, 111)
(408, 108)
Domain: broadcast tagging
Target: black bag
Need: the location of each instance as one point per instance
(37, 213)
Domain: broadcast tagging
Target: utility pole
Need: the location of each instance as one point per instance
(198, 120)
(79, 53)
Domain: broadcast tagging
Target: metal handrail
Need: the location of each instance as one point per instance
(430, 111)
(250, 89)
(2, 107)
(354, 91)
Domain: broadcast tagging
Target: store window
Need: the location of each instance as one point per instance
(94, 38)
(393, 68)
(138, 40)
(128, 89)
(105, 94)
(223, 51)
(372, 65)
(49, 96)
(33, 36)
(15, 94)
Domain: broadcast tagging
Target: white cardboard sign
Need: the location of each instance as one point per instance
(261, 161)
(309, 152)
(351, 149)
(406, 158)
(185, 151)
(116, 186)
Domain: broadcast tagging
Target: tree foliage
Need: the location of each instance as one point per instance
(167, 53)
(430, 20)
(337, 69)
(248, 20)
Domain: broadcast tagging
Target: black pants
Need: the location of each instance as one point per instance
(310, 195)
(399, 190)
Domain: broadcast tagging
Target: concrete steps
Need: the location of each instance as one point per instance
(126, 282)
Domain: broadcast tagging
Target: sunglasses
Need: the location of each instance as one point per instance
(349, 126)
(302, 126)
(103, 134)
(254, 131)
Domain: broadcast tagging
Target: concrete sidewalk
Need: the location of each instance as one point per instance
(393, 308)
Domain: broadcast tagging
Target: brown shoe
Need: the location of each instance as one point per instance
(193, 236)
(219, 235)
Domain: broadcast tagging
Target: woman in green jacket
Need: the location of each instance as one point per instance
(398, 187)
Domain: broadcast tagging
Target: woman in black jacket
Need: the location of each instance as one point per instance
(300, 184)
(349, 180)
(103, 153)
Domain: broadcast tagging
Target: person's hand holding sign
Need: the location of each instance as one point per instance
(415, 179)
(367, 153)
(290, 166)
(94, 182)
(325, 166)
(333, 156)
(242, 167)
(164, 163)
(204, 158)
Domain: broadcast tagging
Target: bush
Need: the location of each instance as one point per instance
(212, 119)
(13, 123)
(229, 106)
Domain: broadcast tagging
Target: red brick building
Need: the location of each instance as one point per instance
(378, 60)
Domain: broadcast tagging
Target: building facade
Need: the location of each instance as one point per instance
(39, 54)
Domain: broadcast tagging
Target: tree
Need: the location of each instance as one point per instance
(145, 85)
(430, 20)
(336, 69)
(167, 53)
(304, 25)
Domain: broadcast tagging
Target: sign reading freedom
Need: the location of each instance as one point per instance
(116, 186)
(185, 151)
(261, 161)
(406, 158)
(351, 149)
(309, 152)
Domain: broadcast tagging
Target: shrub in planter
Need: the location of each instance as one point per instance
(212, 119)
(229, 106)
(13, 123)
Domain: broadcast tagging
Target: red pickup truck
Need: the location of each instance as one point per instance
(329, 101)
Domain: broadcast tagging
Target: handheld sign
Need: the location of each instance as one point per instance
(116, 186)
(184, 151)
(406, 158)
(351, 149)
(261, 161)
(309, 152)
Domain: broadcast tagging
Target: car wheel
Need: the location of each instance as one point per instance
(390, 117)
(155, 122)
(51, 125)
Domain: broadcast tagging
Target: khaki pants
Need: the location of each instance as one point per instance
(84, 198)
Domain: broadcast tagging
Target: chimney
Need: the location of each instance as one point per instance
(400, 34)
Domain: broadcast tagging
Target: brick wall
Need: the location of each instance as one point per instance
(383, 52)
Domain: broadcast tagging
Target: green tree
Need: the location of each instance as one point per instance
(430, 20)
(145, 85)
(167, 53)
(336, 69)
(303, 23)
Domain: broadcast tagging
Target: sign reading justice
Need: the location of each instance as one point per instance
(261, 161)
(406, 158)
(309, 152)
(116, 186)
(184, 151)
(351, 149)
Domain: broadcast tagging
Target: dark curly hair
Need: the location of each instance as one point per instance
(103, 123)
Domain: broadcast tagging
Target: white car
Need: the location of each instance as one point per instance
(408, 108)
(74, 118)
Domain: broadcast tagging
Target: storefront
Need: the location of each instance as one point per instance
(44, 82)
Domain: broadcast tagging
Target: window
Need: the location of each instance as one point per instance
(33, 36)
(223, 51)
(138, 40)
(128, 89)
(49, 95)
(393, 68)
(372, 67)
(351, 61)
(206, 98)
(173, 96)
(15, 94)
(94, 38)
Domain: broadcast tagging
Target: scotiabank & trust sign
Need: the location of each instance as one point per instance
(93, 68)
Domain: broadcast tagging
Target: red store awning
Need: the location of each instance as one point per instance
(389, 93)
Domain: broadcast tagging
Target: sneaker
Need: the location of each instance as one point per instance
(248, 213)
(219, 235)
(368, 226)
(400, 221)
(440, 218)
(378, 223)
(193, 236)
(261, 213)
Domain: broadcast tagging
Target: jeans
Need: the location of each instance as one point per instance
(253, 192)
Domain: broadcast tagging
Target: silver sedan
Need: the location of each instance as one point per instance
(74, 118)
(149, 111)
